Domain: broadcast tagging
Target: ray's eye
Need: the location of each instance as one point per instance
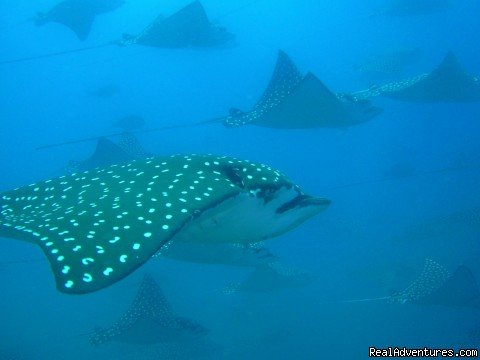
(232, 174)
(267, 193)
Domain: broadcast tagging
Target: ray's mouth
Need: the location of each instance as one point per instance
(302, 201)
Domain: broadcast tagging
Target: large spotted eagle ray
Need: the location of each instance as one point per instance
(294, 101)
(127, 149)
(77, 15)
(149, 319)
(98, 226)
(449, 82)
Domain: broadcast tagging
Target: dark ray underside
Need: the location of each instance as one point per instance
(78, 15)
(294, 101)
(187, 27)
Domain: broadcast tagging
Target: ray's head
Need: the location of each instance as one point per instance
(280, 204)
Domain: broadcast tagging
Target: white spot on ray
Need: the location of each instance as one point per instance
(87, 261)
(114, 240)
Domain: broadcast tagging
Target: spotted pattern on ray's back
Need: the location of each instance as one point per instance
(130, 144)
(285, 79)
(149, 304)
(98, 226)
(389, 88)
(433, 276)
(449, 82)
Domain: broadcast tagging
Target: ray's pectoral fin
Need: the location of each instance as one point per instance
(309, 101)
(99, 226)
(82, 28)
(86, 260)
(148, 320)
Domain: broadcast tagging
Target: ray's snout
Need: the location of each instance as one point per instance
(315, 201)
(304, 201)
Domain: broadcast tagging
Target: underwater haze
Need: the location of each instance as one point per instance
(377, 216)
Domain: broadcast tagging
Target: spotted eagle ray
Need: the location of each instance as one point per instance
(449, 82)
(148, 320)
(436, 286)
(77, 15)
(294, 101)
(189, 26)
(230, 254)
(98, 226)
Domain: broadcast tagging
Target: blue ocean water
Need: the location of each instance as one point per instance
(372, 240)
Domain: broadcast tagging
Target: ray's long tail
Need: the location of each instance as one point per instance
(157, 129)
(57, 53)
